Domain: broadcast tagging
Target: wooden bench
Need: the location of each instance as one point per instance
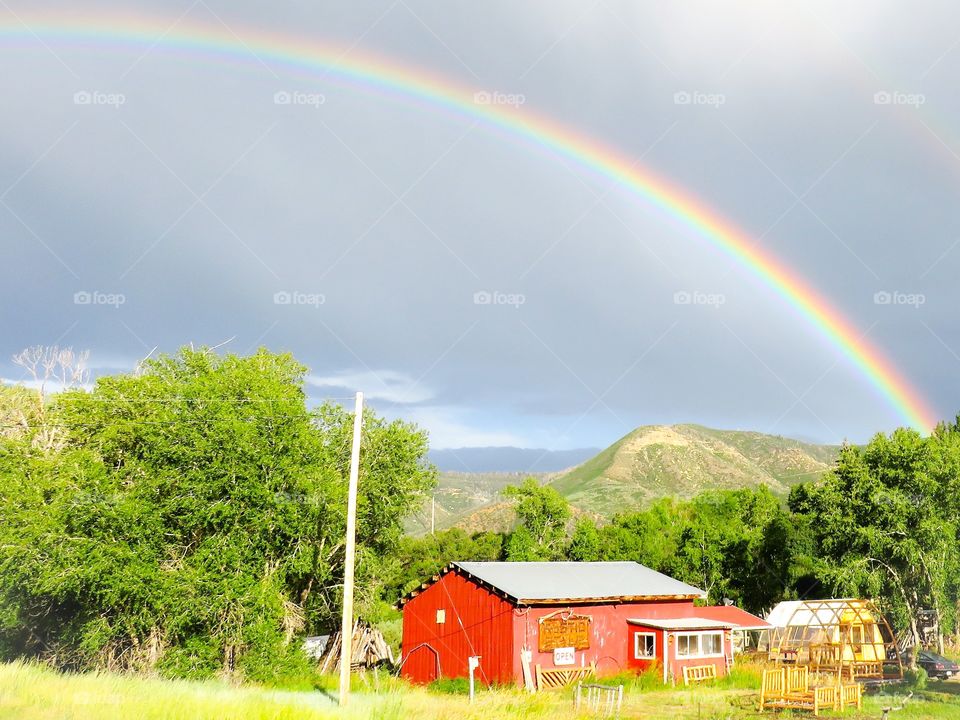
(699, 673)
(788, 688)
(850, 694)
(555, 678)
(866, 669)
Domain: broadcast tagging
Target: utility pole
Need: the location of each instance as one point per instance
(346, 626)
(433, 514)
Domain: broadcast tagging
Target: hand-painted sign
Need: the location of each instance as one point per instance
(564, 632)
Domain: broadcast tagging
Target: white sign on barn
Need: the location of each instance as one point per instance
(564, 656)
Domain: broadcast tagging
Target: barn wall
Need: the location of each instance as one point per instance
(677, 664)
(639, 666)
(477, 622)
(611, 639)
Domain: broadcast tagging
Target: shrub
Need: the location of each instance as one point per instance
(450, 686)
(915, 678)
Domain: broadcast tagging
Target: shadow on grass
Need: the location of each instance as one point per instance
(946, 688)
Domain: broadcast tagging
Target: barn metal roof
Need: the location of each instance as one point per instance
(558, 582)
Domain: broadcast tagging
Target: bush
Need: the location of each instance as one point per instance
(450, 686)
(915, 678)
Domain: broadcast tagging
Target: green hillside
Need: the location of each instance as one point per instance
(461, 495)
(681, 460)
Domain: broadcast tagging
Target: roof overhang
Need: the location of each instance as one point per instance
(690, 623)
(616, 600)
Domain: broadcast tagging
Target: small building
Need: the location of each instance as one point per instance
(521, 619)
(841, 635)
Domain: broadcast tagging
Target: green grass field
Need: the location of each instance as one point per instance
(30, 692)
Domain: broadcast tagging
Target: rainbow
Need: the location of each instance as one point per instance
(381, 75)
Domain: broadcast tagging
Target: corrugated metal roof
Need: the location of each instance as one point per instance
(532, 582)
(737, 617)
(688, 623)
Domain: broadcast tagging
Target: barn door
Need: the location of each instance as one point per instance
(423, 664)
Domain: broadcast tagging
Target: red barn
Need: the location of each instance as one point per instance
(614, 615)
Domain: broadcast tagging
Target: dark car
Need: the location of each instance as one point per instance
(937, 666)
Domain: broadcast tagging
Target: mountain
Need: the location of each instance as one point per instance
(460, 495)
(508, 459)
(682, 460)
(651, 462)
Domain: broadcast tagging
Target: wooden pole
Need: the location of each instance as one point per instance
(346, 626)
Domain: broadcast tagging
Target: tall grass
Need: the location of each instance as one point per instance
(33, 692)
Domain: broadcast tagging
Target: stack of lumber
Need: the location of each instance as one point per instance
(369, 649)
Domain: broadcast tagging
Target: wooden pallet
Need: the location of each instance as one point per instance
(555, 678)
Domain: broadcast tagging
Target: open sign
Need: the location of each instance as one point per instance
(564, 656)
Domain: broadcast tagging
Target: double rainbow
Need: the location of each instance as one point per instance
(372, 73)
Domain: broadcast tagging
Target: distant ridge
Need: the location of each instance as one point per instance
(648, 463)
(508, 459)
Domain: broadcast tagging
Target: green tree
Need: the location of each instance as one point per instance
(194, 520)
(542, 515)
(585, 545)
(885, 524)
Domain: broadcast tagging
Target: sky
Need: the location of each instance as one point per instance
(476, 283)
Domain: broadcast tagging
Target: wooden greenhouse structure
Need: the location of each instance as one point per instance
(847, 637)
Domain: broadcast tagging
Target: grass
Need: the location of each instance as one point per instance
(32, 692)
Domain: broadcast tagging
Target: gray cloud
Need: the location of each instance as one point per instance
(200, 199)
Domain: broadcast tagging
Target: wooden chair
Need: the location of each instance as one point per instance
(849, 694)
(699, 673)
(772, 688)
(797, 681)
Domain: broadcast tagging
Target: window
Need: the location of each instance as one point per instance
(688, 645)
(708, 644)
(711, 644)
(856, 638)
(644, 646)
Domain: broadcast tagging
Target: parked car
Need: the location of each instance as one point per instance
(937, 666)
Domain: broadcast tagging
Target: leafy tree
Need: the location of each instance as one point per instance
(194, 519)
(542, 515)
(417, 558)
(585, 545)
(885, 523)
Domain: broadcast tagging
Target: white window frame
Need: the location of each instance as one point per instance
(700, 653)
(636, 646)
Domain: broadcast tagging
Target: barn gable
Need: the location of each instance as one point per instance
(451, 619)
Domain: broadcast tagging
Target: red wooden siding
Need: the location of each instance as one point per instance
(611, 642)
(477, 622)
(675, 665)
(640, 665)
